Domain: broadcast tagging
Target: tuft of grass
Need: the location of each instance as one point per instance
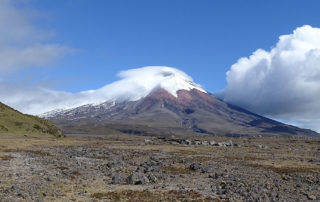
(3, 128)
(62, 168)
(145, 195)
(287, 168)
(99, 157)
(36, 152)
(245, 158)
(6, 158)
(76, 173)
(176, 170)
(99, 195)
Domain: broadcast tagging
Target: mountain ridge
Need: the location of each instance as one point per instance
(192, 111)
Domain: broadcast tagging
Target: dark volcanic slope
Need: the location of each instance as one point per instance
(160, 113)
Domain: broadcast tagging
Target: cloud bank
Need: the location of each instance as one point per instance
(282, 83)
(22, 45)
(133, 85)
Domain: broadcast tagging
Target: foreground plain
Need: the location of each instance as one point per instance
(137, 168)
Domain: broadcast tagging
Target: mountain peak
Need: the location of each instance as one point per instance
(145, 80)
(172, 80)
(133, 85)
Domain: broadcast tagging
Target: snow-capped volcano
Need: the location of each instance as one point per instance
(188, 112)
(133, 85)
(162, 101)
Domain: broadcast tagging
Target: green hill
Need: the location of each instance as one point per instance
(14, 122)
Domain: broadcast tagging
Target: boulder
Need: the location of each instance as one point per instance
(188, 142)
(212, 142)
(225, 144)
(220, 144)
(148, 141)
(175, 143)
(195, 166)
(207, 169)
(197, 142)
(137, 179)
(116, 179)
(206, 143)
(228, 143)
(152, 178)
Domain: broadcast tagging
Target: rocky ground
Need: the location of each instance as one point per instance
(136, 168)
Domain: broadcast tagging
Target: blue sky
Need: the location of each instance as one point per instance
(202, 38)
(263, 56)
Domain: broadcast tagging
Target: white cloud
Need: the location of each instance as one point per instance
(21, 43)
(14, 59)
(282, 83)
(134, 84)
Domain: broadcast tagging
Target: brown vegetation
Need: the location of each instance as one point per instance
(156, 196)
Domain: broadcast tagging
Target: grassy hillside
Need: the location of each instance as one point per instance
(14, 122)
